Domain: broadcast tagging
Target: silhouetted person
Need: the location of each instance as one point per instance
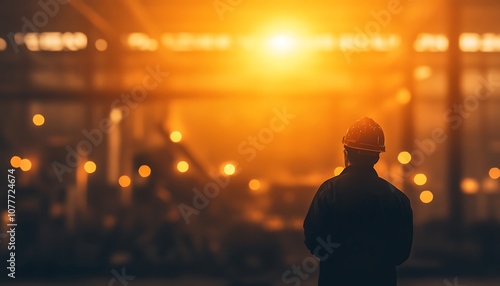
(359, 225)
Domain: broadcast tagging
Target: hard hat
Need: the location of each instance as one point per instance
(365, 134)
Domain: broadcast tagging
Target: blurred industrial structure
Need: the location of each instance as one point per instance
(114, 114)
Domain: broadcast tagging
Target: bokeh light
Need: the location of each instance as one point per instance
(176, 136)
(470, 42)
(15, 161)
(182, 166)
(420, 179)
(469, 186)
(101, 45)
(254, 185)
(422, 72)
(403, 96)
(115, 115)
(89, 167)
(25, 165)
(229, 169)
(494, 173)
(282, 43)
(254, 215)
(144, 171)
(3, 44)
(426, 196)
(124, 181)
(274, 224)
(38, 119)
(404, 157)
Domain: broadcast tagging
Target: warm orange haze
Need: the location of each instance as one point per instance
(182, 143)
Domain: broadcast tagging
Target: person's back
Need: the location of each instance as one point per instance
(369, 219)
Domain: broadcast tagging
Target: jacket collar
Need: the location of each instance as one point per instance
(363, 169)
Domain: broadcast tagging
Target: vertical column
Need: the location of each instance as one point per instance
(455, 138)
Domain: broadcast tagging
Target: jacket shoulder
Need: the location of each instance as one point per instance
(391, 187)
(402, 197)
(329, 184)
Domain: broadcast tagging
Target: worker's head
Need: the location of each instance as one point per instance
(360, 157)
(363, 142)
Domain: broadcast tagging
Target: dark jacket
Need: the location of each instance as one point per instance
(370, 224)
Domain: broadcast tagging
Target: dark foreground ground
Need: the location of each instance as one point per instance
(430, 281)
